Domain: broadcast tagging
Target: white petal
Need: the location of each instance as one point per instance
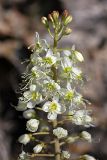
(52, 115)
(30, 105)
(46, 106)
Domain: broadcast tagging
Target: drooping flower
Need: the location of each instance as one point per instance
(53, 108)
(60, 132)
(81, 117)
(86, 136)
(32, 125)
(65, 155)
(23, 156)
(24, 139)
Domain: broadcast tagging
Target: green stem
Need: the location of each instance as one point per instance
(57, 144)
(42, 155)
(41, 133)
(55, 123)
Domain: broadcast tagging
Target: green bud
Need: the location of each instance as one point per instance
(68, 20)
(67, 31)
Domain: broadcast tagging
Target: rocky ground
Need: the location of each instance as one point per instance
(19, 19)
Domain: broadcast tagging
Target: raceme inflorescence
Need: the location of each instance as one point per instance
(50, 96)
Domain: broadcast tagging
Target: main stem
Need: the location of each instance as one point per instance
(55, 123)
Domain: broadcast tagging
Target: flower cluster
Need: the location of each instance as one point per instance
(51, 81)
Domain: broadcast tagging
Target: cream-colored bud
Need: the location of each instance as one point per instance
(67, 31)
(24, 139)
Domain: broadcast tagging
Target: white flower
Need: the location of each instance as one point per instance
(81, 118)
(32, 125)
(31, 104)
(88, 157)
(50, 59)
(53, 108)
(23, 155)
(22, 106)
(30, 113)
(38, 148)
(60, 132)
(51, 85)
(78, 99)
(87, 136)
(65, 154)
(66, 53)
(66, 65)
(33, 96)
(32, 87)
(41, 44)
(79, 56)
(76, 71)
(24, 139)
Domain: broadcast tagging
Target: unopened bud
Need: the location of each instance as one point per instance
(67, 31)
(68, 20)
(45, 21)
(55, 15)
(65, 13)
(86, 136)
(50, 18)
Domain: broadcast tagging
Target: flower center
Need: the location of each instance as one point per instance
(35, 95)
(53, 106)
(50, 86)
(67, 69)
(69, 95)
(48, 60)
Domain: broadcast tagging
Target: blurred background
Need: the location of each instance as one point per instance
(19, 19)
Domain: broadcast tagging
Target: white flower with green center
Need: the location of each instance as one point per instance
(69, 93)
(35, 73)
(32, 95)
(28, 114)
(38, 148)
(65, 155)
(77, 73)
(60, 132)
(51, 86)
(53, 108)
(66, 65)
(81, 117)
(86, 136)
(24, 139)
(50, 59)
(88, 157)
(32, 125)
